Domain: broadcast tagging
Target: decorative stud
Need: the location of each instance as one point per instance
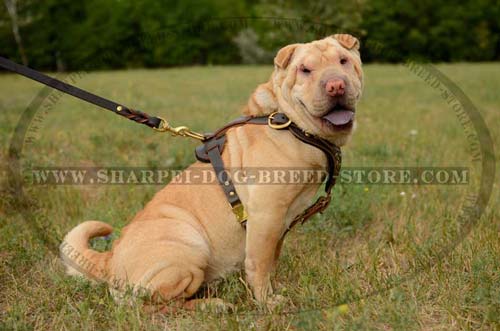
(119, 108)
(231, 193)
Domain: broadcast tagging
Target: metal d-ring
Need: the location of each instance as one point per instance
(277, 126)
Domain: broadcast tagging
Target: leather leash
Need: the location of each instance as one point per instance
(157, 123)
(211, 150)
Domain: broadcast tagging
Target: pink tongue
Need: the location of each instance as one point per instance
(339, 117)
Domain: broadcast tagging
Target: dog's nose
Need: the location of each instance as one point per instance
(335, 87)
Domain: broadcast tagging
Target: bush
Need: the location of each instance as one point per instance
(101, 34)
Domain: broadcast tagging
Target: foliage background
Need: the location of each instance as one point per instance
(72, 35)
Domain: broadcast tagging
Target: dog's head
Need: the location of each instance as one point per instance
(317, 85)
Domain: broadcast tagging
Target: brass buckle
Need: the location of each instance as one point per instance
(240, 212)
(277, 126)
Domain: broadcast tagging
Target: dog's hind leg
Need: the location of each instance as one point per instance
(173, 285)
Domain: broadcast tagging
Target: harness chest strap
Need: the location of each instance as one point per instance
(211, 151)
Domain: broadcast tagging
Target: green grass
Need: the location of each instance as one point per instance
(374, 250)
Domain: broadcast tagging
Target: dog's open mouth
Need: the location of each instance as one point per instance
(339, 117)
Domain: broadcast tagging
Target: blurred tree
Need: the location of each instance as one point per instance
(54, 35)
(12, 6)
(281, 22)
(433, 30)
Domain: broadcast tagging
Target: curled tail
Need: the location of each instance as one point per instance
(76, 255)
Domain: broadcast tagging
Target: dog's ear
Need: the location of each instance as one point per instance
(347, 41)
(284, 56)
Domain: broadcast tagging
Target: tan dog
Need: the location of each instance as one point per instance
(187, 234)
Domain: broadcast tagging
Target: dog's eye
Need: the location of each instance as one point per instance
(304, 69)
(343, 60)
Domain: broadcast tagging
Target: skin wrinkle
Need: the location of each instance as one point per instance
(179, 240)
(321, 47)
(188, 217)
(148, 277)
(255, 101)
(275, 143)
(271, 92)
(290, 80)
(324, 58)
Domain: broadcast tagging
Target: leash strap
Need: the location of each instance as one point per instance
(134, 115)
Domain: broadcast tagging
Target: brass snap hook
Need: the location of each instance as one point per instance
(182, 131)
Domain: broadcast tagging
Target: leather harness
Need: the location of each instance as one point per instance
(213, 146)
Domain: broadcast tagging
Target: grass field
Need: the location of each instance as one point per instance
(372, 261)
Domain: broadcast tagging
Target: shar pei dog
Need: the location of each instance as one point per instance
(187, 234)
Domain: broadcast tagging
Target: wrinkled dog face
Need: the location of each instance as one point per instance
(318, 85)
